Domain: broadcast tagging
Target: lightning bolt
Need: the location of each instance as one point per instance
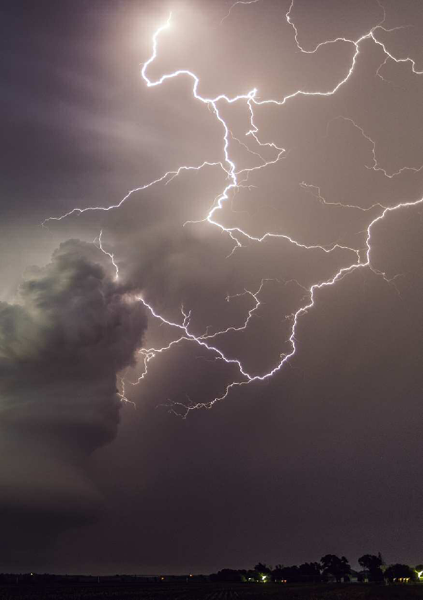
(98, 242)
(375, 166)
(235, 4)
(237, 178)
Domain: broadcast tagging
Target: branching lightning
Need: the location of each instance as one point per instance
(235, 4)
(375, 164)
(236, 179)
(98, 242)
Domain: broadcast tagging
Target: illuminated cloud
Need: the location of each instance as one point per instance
(61, 346)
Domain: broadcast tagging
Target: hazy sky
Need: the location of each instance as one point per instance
(325, 157)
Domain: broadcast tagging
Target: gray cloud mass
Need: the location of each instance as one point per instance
(61, 346)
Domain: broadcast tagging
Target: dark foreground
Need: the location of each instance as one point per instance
(208, 591)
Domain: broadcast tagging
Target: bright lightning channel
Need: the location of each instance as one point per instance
(237, 178)
(98, 242)
(235, 4)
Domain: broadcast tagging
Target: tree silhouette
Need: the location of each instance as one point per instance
(399, 571)
(372, 565)
(291, 574)
(277, 573)
(335, 567)
(228, 575)
(263, 570)
(310, 572)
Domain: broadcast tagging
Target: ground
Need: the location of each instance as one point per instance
(208, 591)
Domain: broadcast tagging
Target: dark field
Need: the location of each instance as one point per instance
(207, 591)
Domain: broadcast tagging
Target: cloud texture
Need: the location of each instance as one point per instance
(61, 346)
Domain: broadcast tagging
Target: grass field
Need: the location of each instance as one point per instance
(208, 591)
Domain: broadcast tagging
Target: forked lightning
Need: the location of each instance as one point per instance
(361, 258)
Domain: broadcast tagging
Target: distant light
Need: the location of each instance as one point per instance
(420, 574)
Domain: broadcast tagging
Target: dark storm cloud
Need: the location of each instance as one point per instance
(66, 310)
(61, 346)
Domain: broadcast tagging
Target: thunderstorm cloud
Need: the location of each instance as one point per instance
(62, 344)
(325, 454)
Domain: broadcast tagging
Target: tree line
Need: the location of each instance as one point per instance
(330, 568)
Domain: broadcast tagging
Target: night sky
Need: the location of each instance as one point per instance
(210, 460)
